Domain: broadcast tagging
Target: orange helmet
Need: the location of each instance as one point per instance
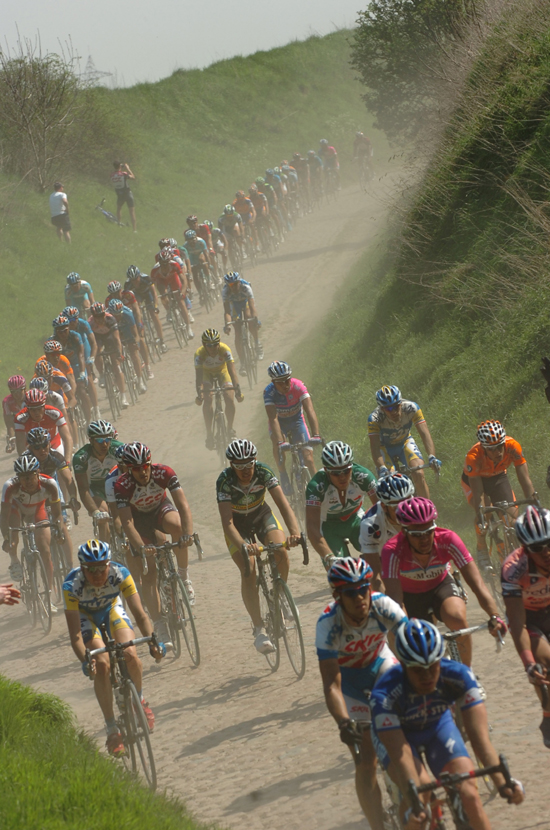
(491, 434)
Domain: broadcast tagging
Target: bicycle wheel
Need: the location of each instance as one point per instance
(268, 612)
(41, 593)
(290, 628)
(137, 737)
(112, 396)
(170, 612)
(26, 588)
(221, 435)
(180, 328)
(129, 373)
(81, 424)
(58, 572)
(185, 620)
(299, 479)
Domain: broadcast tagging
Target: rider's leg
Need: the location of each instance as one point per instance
(308, 460)
(453, 614)
(136, 358)
(469, 794)
(281, 556)
(43, 537)
(207, 411)
(249, 589)
(102, 679)
(366, 784)
(419, 480)
(171, 525)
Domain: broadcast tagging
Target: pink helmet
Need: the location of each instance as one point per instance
(416, 511)
(16, 382)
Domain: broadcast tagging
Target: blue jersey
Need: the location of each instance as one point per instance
(395, 705)
(237, 297)
(126, 324)
(195, 249)
(84, 329)
(79, 595)
(71, 349)
(78, 296)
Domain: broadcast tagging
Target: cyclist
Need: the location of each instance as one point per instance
(219, 243)
(334, 502)
(231, 223)
(57, 389)
(168, 276)
(83, 328)
(238, 303)
(329, 157)
(70, 347)
(379, 524)
(412, 706)
(92, 463)
(485, 478)
(79, 293)
(199, 258)
(240, 490)
(93, 596)
(526, 592)
(11, 406)
(105, 329)
(245, 208)
(269, 192)
(144, 288)
(129, 336)
(59, 362)
(54, 465)
(316, 167)
(416, 569)
(214, 360)
(204, 232)
(37, 413)
(389, 431)
(362, 149)
(26, 496)
(112, 476)
(144, 509)
(352, 646)
(52, 398)
(286, 399)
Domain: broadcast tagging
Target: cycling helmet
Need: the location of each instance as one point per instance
(100, 429)
(533, 526)
(336, 455)
(43, 369)
(119, 451)
(491, 434)
(53, 347)
(311, 153)
(278, 370)
(358, 134)
(240, 194)
(166, 254)
(232, 277)
(277, 170)
(229, 210)
(285, 166)
(260, 180)
(60, 322)
(418, 643)
(209, 224)
(116, 306)
(38, 437)
(97, 309)
(93, 552)
(193, 218)
(133, 272)
(189, 235)
(210, 337)
(394, 488)
(113, 287)
(163, 243)
(388, 396)
(35, 397)
(269, 172)
(241, 450)
(40, 383)
(172, 242)
(71, 312)
(16, 382)
(73, 278)
(416, 511)
(297, 156)
(348, 572)
(136, 454)
(253, 188)
(324, 142)
(26, 464)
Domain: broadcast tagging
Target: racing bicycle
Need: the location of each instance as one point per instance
(110, 217)
(130, 375)
(249, 361)
(299, 478)
(220, 430)
(175, 318)
(111, 387)
(35, 591)
(149, 332)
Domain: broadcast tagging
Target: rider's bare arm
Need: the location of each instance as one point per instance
(476, 724)
(139, 614)
(75, 635)
(376, 451)
(84, 492)
(229, 529)
(287, 513)
(525, 482)
(274, 426)
(125, 514)
(67, 439)
(427, 440)
(473, 579)
(311, 416)
(332, 687)
(184, 510)
(313, 530)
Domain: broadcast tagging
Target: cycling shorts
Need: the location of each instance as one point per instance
(115, 619)
(238, 308)
(496, 488)
(246, 217)
(128, 340)
(223, 377)
(124, 196)
(538, 623)
(442, 743)
(358, 683)
(420, 605)
(405, 453)
(294, 430)
(173, 283)
(259, 524)
(147, 523)
(336, 531)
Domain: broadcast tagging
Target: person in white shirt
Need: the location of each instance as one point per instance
(59, 209)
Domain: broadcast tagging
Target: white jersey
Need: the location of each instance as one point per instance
(376, 530)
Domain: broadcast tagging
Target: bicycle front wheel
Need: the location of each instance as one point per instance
(221, 436)
(112, 394)
(185, 619)
(290, 628)
(268, 612)
(137, 737)
(58, 571)
(41, 594)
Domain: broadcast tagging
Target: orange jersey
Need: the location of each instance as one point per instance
(479, 463)
(243, 205)
(64, 365)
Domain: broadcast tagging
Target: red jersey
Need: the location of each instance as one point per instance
(31, 507)
(51, 421)
(147, 498)
(127, 297)
(170, 279)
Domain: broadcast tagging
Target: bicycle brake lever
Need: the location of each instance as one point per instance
(305, 550)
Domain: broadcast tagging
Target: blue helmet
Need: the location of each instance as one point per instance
(269, 172)
(118, 451)
(73, 278)
(93, 551)
(388, 396)
(39, 383)
(38, 437)
(347, 572)
(190, 235)
(279, 370)
(418, 643)
(394, 488)
(232, 277)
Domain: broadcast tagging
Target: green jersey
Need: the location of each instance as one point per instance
(86, 463)
(245, 500)
(320, 492)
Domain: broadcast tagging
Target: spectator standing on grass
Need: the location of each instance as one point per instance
(124, 195)
(59, 209)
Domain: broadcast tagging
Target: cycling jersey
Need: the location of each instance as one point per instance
(195, 249)
(10, 407)
(57, 382)
(393, 433)
(98, 605)
(126, 296)
(227, 222)
(329, 157)
(112, 476)
(53, 462)
(169, 280)
(237, 297)
(362, 146)
(218, 240)
(376, 530)
(79, 295)
(146, 498)
(71, 350)
(85, 330)
(259, 201)
(214, 364)
(104, 329)
(244, 206)
(142, 290)
(95, 469)
(320, 492)
(479, 463)
(521, 578)
(269, 193)
(51, 421)
(126, 323)
(64, 367)
(245, 499)
(289, 404)
(31, 507)
(399, 561)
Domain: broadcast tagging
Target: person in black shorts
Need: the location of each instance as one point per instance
(124, 196)
(59, 209)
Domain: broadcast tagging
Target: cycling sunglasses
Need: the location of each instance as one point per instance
(420, 532)
(354, 592)
(538, 548)
(140, 468)
(342, 472)
(391, 408)
(103, 440)
(94, 569)
(246, 466)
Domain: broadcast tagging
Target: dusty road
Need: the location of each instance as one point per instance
(245, 748)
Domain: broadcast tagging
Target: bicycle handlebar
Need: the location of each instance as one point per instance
(114, 646)
(453, 635)
(271, 547)
(312, 442)
(502, 506)
(192, 538)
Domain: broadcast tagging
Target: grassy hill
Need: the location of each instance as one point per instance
(195, 138)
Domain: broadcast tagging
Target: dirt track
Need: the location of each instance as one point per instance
(243, 747)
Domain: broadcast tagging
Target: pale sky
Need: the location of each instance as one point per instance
(145, 40)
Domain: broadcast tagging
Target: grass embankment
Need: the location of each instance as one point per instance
(197, 137)
(466, 343)
(53, 778)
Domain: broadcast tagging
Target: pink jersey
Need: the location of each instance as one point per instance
(146, 499)
(400, 562)
(11, 407)
(522, 579)
(290, 404)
